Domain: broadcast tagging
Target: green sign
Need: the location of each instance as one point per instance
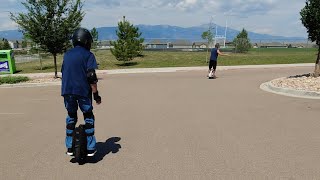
(7, 62)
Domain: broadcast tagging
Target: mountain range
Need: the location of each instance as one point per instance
(167, 32)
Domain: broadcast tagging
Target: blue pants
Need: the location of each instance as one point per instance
(85, 103)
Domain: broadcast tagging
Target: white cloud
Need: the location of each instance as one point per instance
(102, 3)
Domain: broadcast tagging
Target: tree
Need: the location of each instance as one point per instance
(95, 37)
(208, 35)
(25, 40)
(310, 17)
(50, 23)
(18, 44)
(242, 42)
(6, 45)
(24, 43)
(129, 43)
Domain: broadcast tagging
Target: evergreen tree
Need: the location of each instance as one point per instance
(95, 37)
(242, 42)
(310, 17)
(6, 45)
(129, 44)
(50, 23)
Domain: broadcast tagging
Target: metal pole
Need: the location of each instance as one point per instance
(225, 34)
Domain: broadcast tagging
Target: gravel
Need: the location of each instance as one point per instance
(303, 82)
(44, 80)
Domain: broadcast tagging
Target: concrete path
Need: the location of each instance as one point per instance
(176, 125)
(171, 69)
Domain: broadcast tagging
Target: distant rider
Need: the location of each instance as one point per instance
(215, 52)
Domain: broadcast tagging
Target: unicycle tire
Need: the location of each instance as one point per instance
(80, 144)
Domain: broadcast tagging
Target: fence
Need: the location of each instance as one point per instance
(26, 58)
(201, 45)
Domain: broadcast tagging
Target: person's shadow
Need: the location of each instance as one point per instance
(104, 148)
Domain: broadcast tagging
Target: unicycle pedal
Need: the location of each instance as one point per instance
(79, 144)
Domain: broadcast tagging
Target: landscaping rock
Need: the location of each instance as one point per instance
(304, 82)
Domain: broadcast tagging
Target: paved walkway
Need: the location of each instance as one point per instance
(176, 125)
(172, 69)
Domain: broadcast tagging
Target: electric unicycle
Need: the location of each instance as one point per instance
(211, 75)
(79, 144)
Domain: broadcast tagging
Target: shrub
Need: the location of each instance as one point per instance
(13, 79)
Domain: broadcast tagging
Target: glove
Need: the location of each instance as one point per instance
(96, 97)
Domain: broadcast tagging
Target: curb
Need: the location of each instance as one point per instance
(169, 69)
(269, 87)
(199, 68)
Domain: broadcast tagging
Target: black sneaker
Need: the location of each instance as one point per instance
(91, 152)
(69, 152)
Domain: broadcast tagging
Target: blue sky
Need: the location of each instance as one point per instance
(274, 17)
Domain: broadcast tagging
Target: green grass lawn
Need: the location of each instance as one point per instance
(13, 79)
(153, 59)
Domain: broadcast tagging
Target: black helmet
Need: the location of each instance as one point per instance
(82, 37)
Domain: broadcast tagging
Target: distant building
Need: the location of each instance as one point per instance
(271, 45)
(15, 44)
(18, 44)
(182, 44)
(157, 44)
(104, 45)
(200, 45)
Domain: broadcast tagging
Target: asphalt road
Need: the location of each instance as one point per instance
(167, 126)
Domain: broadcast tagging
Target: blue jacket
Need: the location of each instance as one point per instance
(214, 54)
(76, 63)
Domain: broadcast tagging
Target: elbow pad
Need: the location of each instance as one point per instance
(91, 76)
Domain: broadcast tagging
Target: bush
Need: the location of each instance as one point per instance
(242, 42)
(13, 79)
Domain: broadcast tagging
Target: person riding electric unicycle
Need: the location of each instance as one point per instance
(79, 83)
(215, 52)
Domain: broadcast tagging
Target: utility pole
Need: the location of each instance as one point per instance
(209, 39)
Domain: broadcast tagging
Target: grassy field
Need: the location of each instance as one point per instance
(184, 59)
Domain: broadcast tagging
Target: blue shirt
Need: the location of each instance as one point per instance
(76, 63)
(214, 54)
